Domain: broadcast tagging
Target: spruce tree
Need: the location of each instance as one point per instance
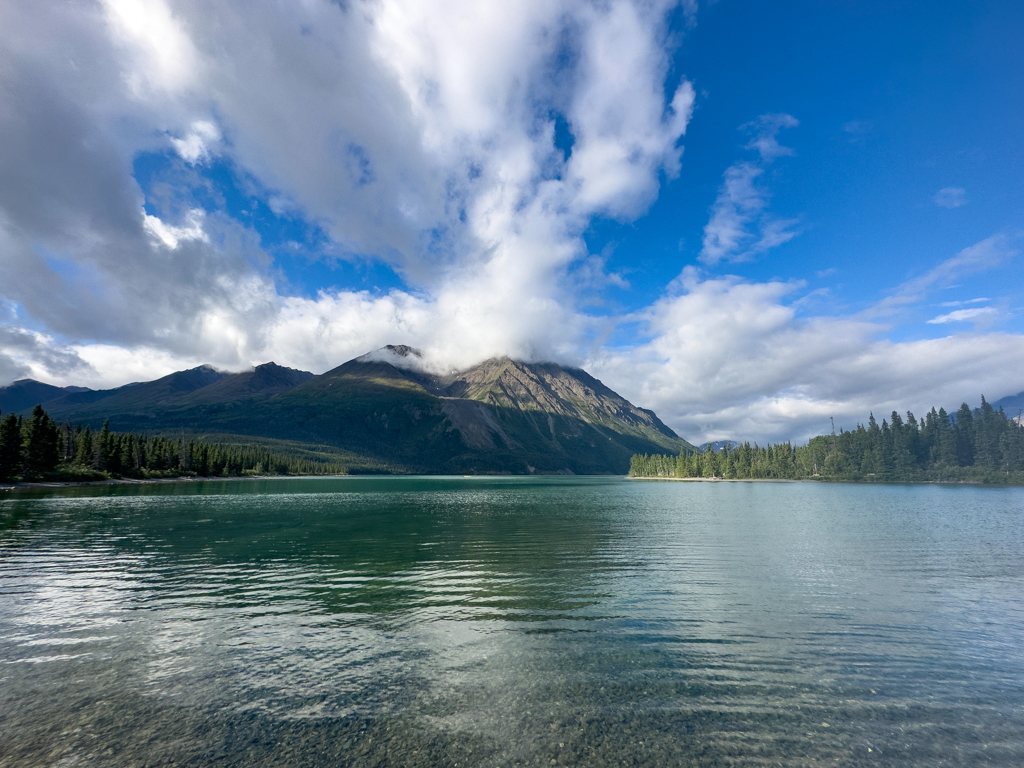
(41, 445)
(10, 448)
(101, 448)
(84, 448)
(964, 436)
(946, 441)
(710, 463)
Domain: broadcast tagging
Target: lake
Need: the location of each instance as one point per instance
(511, 621)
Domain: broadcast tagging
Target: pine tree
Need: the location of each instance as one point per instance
(84, 448)
(988, 429)
(946, 441)
(964, 436)
(710, 468)
(42, 451)
(101, 448)
(11, 463)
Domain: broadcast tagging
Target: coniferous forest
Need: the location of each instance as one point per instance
(36, 448)
(979, 445)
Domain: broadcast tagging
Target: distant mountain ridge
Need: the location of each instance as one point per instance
(502, 415)
(718, 445)
(1011, 404)
(26, 393)
(138, 396)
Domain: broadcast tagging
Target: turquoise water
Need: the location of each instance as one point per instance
(512, 621)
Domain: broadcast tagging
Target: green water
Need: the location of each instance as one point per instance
(512, 621)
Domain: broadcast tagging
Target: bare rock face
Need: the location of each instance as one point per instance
(476, 424)
(543, 391)
(550, 388)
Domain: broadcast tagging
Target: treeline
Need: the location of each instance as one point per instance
(744, 462)
(37, 448)
(980, 445)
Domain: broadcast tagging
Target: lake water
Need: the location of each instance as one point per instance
(512, 621)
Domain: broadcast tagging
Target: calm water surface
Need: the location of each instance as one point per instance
(512, 621)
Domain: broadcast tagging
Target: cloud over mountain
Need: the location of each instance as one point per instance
(420, 134)
(468, 146)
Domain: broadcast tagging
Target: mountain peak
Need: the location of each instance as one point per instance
(273, 367)
(402, 350)
(503, 414)
(398, 355)
(25, 393)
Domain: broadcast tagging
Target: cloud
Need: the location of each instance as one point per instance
(420, 134)
(718, 357)
(171, 236)
(738, 205)
(987, 254)
(198, 143)
(977, 315)
(979, 300)
(951, 197)
(739, 229)
(858, 130)
(28, 354)
(163, 58)
(728, 358)
(417, 133)
(766, 135)
(857, 126)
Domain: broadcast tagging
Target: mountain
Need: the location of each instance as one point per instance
(263, 381)
(503, 415)
(26, 393)
(1011, 404)
(718, 445)
(139, 398)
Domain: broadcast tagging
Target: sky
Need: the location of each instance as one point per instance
(749, 217)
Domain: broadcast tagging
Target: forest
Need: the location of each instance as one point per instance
(37, 448)
(980, 445)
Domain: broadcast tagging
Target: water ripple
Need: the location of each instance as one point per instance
(429, 621)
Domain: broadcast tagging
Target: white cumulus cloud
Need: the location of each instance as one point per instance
(421, 134)
(728, 358)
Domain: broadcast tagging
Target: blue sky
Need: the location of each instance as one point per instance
(895, 101)
(747, 216)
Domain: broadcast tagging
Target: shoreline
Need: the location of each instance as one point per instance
(727, 479)
(822, 480)
(149, 481)
(61, 484)
(56, 484)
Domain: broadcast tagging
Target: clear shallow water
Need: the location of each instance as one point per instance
(504, 621)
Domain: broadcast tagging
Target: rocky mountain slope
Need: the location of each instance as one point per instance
(500, 416)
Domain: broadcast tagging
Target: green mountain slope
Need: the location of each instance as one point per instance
(500, 416)
(263, 381)
(26, 393)
(141, 398)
